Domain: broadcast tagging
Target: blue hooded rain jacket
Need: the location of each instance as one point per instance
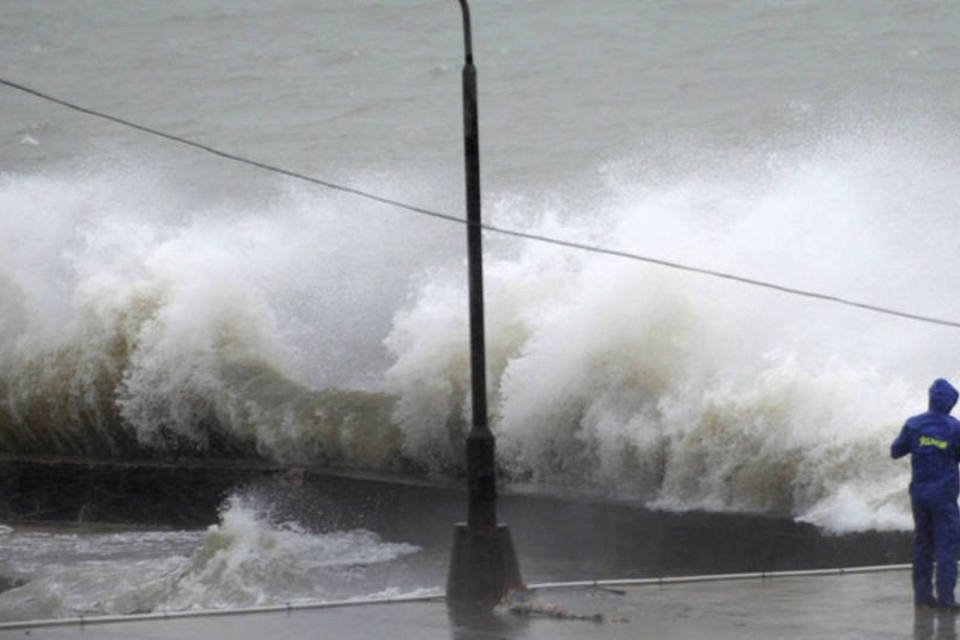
(933, 441)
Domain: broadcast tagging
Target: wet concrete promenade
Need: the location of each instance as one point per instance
(853, 605)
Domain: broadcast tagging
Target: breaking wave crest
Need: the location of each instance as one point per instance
(137, 325)
(630, 381)
(137, 328)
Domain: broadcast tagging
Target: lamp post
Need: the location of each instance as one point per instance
(483, 565)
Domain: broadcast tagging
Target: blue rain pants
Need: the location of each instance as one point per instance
(936, 535)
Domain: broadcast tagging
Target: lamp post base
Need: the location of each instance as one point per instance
(483, 567)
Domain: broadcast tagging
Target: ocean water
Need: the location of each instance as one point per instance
(157, 299)
(248, 559)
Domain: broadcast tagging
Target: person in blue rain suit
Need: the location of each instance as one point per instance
(933, 441)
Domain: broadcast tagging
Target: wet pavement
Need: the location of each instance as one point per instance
(854, 605)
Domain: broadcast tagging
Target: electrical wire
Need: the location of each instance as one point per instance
(486, 227)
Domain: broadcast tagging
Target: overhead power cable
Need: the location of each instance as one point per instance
(226, 154)
(487, 227)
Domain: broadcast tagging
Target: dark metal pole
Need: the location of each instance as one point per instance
(482, 510)
(483, 564)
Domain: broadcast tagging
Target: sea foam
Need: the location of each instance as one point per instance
(138, 322)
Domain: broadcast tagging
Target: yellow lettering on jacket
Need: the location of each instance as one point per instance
(927, 441)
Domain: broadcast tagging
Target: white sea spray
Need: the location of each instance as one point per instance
(245, 560)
